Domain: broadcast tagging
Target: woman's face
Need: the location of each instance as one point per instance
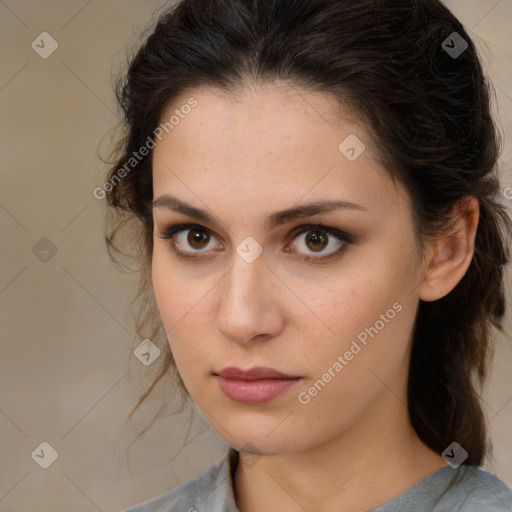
(248, 293)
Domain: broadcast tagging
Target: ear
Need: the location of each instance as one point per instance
(449, 255)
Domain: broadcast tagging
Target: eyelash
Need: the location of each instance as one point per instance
(169, 232)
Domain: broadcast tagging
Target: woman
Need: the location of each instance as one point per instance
(315, 187)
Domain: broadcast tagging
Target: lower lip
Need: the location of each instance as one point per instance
(254, 391)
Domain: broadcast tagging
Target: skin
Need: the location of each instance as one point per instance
(241, 157)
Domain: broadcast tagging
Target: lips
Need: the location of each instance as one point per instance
(256, 373)
(254, 386)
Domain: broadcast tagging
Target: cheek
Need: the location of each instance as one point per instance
(350, 303)
(183, 306)
(177, 294)
(171, 300)
(164, 286)
(362, 359)
(369, 303)
(341, 318)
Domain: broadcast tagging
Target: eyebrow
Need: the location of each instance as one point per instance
(273, 220)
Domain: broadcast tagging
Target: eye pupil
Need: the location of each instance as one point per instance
(318, 239)
(198, 236)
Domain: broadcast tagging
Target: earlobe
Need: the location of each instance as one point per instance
(450, 254)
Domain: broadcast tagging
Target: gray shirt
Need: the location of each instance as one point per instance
(465, 489)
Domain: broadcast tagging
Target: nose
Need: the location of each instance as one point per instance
(248, 309)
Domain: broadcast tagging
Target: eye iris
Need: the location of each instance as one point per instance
(317, 238)
(196, 237)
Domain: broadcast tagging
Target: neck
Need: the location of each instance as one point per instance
(377, 458)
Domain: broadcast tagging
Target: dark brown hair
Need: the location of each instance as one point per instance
(428, 113)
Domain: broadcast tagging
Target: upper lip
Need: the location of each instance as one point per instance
(256, 373)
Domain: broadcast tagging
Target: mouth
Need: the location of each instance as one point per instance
(254, 386)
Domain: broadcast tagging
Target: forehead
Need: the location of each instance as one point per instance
(261, 110)
(267, 145)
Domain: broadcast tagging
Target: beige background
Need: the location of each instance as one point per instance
(68, 375)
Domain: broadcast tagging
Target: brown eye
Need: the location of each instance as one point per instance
(198, 238)
(311, 240)
(189, 239)
(316, 240)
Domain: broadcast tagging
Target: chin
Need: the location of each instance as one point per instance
(258, 438)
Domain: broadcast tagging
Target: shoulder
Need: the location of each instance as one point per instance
(465, 489)
(212, 491)
(476, 489)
